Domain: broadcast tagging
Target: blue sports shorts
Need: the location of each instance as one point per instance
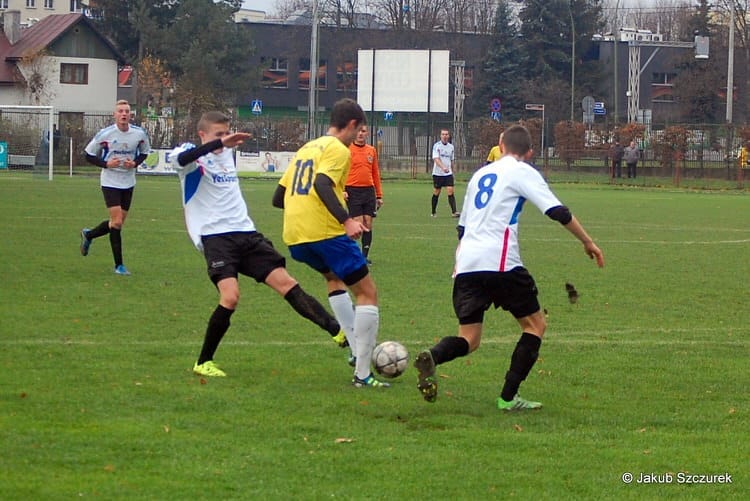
(341, 255)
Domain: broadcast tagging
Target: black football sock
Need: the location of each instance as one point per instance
(218, 325)
(452, 203)
(309, 307)
(434, 203)
(115, 240)
(100, 230)
(366, 242)
(521, 362)
(448, 348)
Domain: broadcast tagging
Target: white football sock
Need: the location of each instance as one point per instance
(366, 322)
(343, 310)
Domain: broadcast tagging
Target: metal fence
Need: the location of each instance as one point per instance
(710, 160)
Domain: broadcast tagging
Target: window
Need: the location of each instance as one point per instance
(49, 4)
(346, 77)
(3, 4)
(75, 6)
(304, 74)
(662, 87)
(275, 75)
(74, 73)
(30, 4)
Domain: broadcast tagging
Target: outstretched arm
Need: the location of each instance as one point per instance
(562, 215)
(591, 249)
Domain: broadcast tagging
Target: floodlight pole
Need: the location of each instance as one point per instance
(312, 101)
(572, 59)
(730, 67)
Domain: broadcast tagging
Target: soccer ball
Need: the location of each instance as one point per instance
(390, 359)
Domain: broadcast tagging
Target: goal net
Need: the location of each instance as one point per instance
(27, 136)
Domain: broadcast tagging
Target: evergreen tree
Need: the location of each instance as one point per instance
(502, 71)
(548, 30)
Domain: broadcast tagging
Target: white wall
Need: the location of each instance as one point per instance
(98, 96)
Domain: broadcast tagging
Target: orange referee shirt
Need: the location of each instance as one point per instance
(364, 171)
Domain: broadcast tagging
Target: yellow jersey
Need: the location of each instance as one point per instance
(494, 154)
(306, 218)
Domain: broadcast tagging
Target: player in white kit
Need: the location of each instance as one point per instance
(218, 223)
(489, 270)
(118, 149)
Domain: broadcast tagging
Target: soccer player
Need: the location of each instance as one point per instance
(443, 157)
(364, 192)
(320, 232)
(496, 151)
(218, 223)
(118, 149)
(489, 269)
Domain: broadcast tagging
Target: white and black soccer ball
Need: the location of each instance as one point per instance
(390, 359)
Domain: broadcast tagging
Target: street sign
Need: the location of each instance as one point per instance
(600, 111)
(256, 107)
(495, 105)
(587, 104)
(598, 105)
(388, 116)
(496, 116)
(534, 107)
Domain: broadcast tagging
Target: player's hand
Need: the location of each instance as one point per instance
(234, 139)
(114, 162)
(354, 229)
(129, 164)
(378, 203)
(594, 252)
(346, 196)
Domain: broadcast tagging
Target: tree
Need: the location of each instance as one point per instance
(422, 15)
(210, 66)
(548, 29)
(502, 72)
(570, 140)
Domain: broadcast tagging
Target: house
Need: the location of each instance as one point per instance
(61, 60)
(33, 11)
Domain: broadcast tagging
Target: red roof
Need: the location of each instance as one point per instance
(38, 37)
(9, 73)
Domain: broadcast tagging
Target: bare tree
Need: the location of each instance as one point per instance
(421, 15)
(460, 15)
(284, 8)
(667, 17)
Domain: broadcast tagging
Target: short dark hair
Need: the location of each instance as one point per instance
(517, 140)
(346, 110)
(210, 118)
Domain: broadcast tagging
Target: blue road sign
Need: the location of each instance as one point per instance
(388, 116)
(495, 105)
(256, 107)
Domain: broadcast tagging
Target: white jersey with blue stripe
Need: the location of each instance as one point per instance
(111, 142)
(211, 195)
(494, 199)
(445, 152)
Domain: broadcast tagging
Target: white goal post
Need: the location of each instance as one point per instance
(28, 130)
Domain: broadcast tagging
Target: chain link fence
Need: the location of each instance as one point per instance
(707, 156)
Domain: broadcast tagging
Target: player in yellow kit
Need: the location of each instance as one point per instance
(321, 234)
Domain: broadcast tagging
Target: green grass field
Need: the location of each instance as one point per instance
(647, 373)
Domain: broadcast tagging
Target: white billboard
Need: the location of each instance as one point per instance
(403, 80)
